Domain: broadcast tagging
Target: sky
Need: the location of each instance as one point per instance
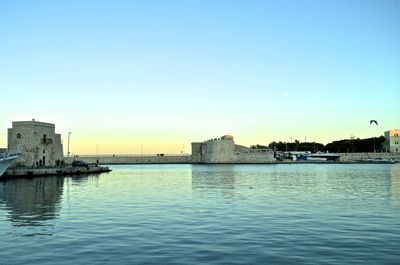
(127, 76)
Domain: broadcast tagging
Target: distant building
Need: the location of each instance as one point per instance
(224, 150)
(393, 141)
(36, 141)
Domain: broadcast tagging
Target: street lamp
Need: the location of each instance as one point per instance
(69, 133)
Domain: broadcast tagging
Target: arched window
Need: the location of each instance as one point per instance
(18, 136)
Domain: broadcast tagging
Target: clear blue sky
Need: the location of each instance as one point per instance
(121, 74)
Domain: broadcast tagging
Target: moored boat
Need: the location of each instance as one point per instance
(6, 160)
(319, 156)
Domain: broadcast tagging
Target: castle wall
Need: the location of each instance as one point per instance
(224, 150)
(218, 151)
(196, 152)
(254, 156)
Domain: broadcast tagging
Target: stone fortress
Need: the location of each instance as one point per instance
(224, 150)
(41, 146)
(36, 141)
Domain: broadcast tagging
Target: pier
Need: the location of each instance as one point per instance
(188, 159)
(133, 159)
(349, 157)
(52, 171)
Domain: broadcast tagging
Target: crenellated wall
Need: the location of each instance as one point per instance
(224, 150)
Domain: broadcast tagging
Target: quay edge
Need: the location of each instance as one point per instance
(52, 171)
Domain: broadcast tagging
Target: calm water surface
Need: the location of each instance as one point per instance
(205, 214)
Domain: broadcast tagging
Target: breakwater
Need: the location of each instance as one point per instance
(187, 159)
(52, 171)
(350, 157)
(133, 159)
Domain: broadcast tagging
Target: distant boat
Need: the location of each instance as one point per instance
(5, 162)
(323, 156)
(319, 156)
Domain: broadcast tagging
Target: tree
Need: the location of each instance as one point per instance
(341, 146)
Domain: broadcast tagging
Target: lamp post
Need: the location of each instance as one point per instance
(314, 144)
(69, 133)
(291, 146)
(305, 143)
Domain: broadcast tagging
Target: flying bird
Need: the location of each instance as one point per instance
(373, 121)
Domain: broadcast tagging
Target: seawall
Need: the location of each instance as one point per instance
(52, 171)
(349, 157)
(132, 159)
(187, 159)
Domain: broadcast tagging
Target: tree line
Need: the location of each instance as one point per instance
(341, 146)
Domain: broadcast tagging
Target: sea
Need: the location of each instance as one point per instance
(205, 214)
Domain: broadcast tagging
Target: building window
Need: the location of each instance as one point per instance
(18, 136)
(44, 151)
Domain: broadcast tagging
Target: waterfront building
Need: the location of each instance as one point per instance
(393, 141)
(224, 150)
(36, 141)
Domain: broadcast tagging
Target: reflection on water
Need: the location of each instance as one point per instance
(217, 177)
(395, 185)
(31, 202)
(34, 204)
(205, 214)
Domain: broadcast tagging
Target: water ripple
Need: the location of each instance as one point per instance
(183, 214)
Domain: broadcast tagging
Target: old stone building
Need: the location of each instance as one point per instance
(36, 141)
(393, 141)
(224, 150)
